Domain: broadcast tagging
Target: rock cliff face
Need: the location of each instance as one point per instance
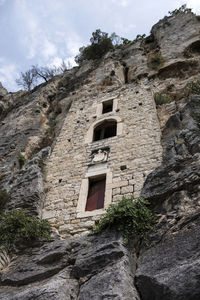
(101, 266)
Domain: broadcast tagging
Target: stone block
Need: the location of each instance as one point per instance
(127, 189)
(116, 191)
(117, 198)
(50, 214)
(120, 184)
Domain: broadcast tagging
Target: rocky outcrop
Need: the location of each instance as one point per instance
(170, 268)
(83, 268)
(26, 186)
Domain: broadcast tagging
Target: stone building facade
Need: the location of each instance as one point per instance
(111, 134)
(112, 137)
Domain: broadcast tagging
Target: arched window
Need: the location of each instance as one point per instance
(102, 129)
(106, 129)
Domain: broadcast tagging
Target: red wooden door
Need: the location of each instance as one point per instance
(96, 195)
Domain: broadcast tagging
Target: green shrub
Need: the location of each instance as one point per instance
(18, 228)
(140, 37)
(130, 216)
(182, 9)
(192, 87)
(52, 126)
(4, 198)
(125, 42)
(21, 160)
(101, 43)
(156, 61)
(161, 99)
(52, 123)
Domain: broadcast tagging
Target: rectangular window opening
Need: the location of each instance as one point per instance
(107, 106)
(96, 193)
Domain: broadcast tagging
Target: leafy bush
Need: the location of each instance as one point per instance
(18, 228)
(156, 60)
(182, 9)
(161, 99)
(21, 160)
(131, 216)
(192, 87)
(4, 198)
(101, 43)
(140, 37)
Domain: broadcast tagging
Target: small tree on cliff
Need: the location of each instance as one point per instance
(30, 78)
(27, 80)
(45, 73)
(100, 45)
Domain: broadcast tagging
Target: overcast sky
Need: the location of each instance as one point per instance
(44, 32)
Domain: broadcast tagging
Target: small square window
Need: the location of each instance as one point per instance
(107, 106)
(96, 193)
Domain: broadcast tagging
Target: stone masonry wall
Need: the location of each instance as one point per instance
(136, 151)
(138, 148)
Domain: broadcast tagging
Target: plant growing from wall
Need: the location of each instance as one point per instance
(101, 43)
(156, 61)
(130, 216)
(18, 228)
(182, 9)
(52, 126)
(4, 198)
(21, 160)
(192, 87)
(140, 37)
(161, 99)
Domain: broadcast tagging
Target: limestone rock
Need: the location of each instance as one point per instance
(57, 287)
(169, 269)
(3, 91)
(94, 267)
(26, 186)
(115, 282)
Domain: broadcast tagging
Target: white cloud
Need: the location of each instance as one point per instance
(194, 4)
(32, 39)
(123, 3)
(123, 29)
(73, 44)
(57, 61)
(2, 2)
(30, 31)
(34, 31)
(8, 75)
(48, 49)
(71, 61)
